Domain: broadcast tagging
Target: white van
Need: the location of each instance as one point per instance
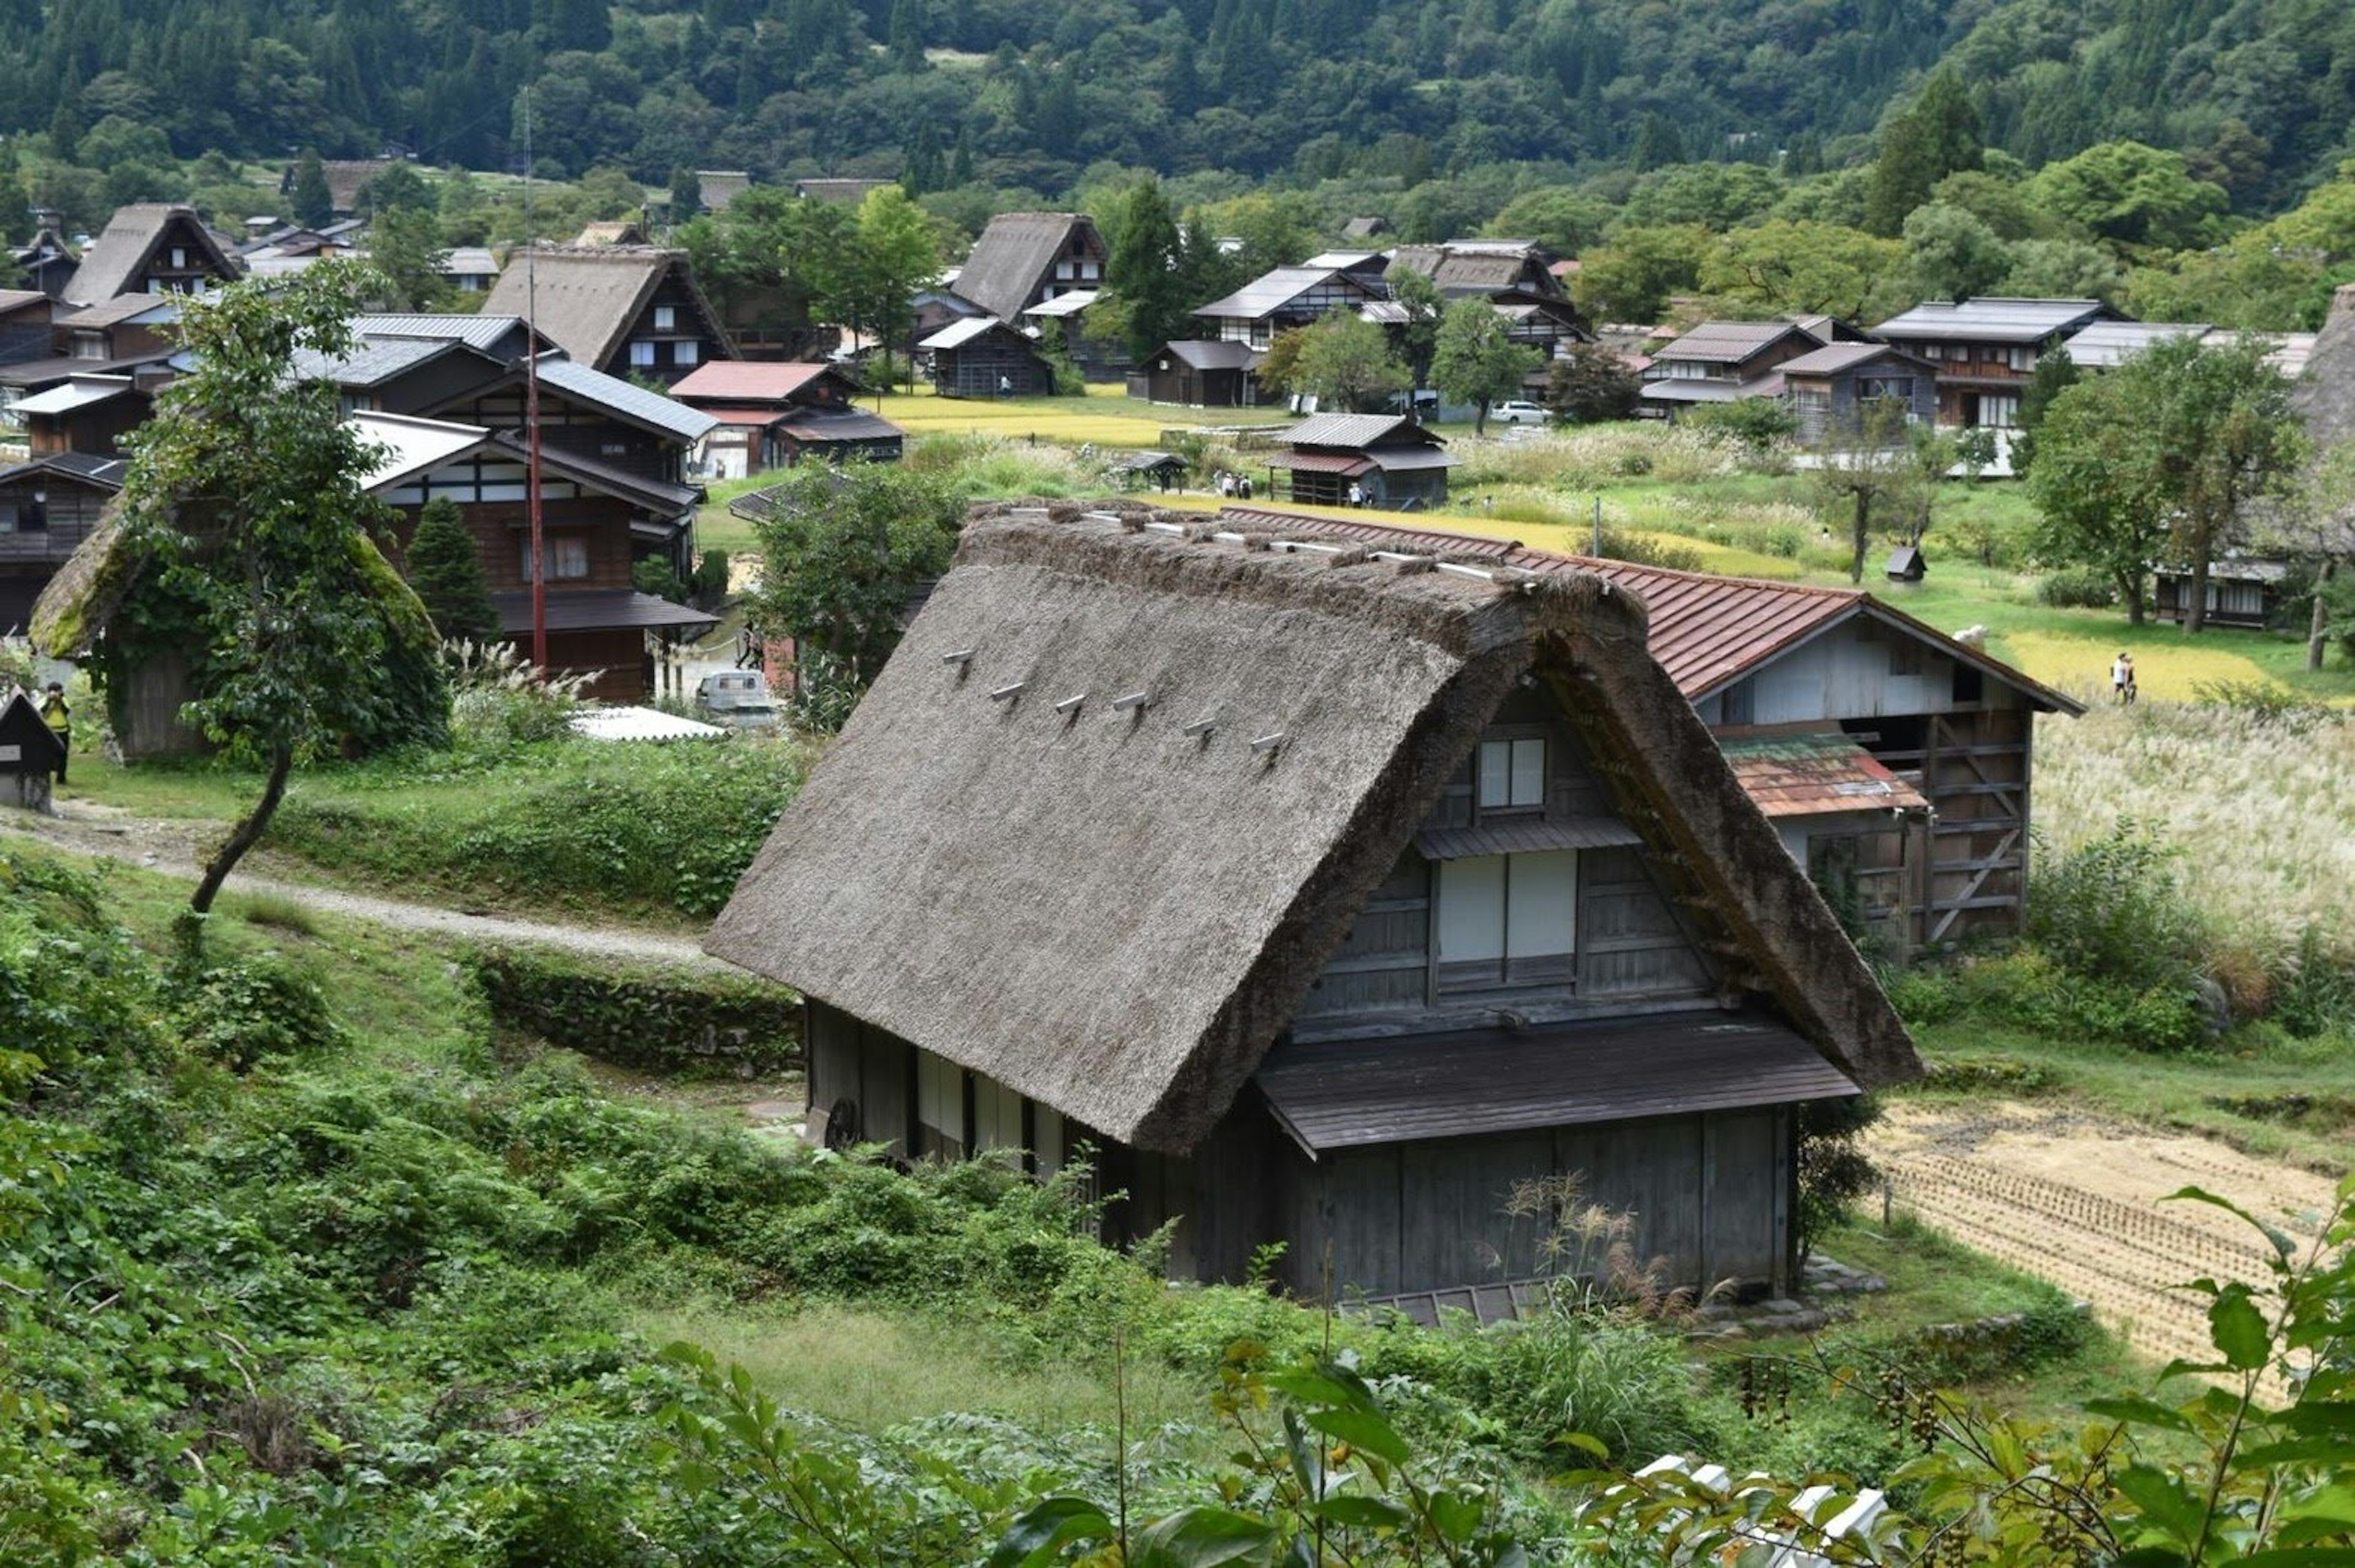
(738, 698)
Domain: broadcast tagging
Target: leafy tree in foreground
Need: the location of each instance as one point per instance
(1146, 269)
(1475, 359)
(2090, 482)
(245, 510)
(1346, 359)
(448, 575)
(845, 550)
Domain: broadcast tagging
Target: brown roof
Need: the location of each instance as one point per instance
(2325, 392)
(587, 299)
(1012, 255)
(749, 380)
(1813, 774)
(1037, 893)
(117, 257)
(598, 610)
(1730, 341)
(1706, 631)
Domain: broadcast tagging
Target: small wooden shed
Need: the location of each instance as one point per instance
(1482, 902)
(30, 755)
(983, 357)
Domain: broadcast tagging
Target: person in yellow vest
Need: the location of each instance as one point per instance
(58, 718)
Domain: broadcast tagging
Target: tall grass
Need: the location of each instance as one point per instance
(1599, 456)
(2263, 811)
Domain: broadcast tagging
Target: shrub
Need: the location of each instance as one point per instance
(2076, 588)
(2112, 908)
(1833, 1171)
(243, 1014)
(1760, 424)
(1647, 551)
(500, 700)
(2030, 990)
(2265, 702)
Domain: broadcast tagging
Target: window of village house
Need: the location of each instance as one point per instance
(568, 557)
(642, 356)
(2003, 413)
(665, 318)
(1933, 351)
(179, 256)
(1512, 775)
(2024, 359)
(1507, 920)
(683, 352)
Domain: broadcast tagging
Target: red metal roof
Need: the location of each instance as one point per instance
(1813, 774)
(749, 380)
(1706, 631)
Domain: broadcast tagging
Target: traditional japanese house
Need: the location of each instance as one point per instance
(1480, 903)
(150, 248)
(1484, 268)
(90, 413)
(1987, 349)
(596, 522)
(629, 310)
(1294, 296)
(470, 269)
(1897, 718)
(984, 358)
(1720, 361)
(48, 507)
(24, 325)
(46, 263)
(1389, 459)
(2242, 590)
(772, 415)
(1023, 258)
(347, 178)
(1833, 388)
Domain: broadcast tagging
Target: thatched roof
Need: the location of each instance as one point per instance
(1117, 919)
(2324, 393)
(74, 606)
(588, 299)
(1015, 253)
(121, 253)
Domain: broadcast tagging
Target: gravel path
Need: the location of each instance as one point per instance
(170, 847)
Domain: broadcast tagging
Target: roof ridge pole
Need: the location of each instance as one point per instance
(531, 407)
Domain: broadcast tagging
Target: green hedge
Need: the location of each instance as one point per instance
(660, 1023)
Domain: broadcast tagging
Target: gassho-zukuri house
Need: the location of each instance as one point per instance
(1327, 892)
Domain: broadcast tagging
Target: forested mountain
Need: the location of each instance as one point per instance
(2259, 93)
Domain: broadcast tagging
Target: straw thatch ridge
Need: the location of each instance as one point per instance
(1117, 920)
(76, 604)
(1014, 253)
(2325, 392)
(588, 299)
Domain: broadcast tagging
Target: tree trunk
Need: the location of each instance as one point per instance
(1863, 527)
(2130, 587)
(246, 834)
(2195, 615)
(2318, 629)
(1479, 421)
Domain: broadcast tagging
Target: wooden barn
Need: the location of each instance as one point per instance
(772, 414)
(984, 358)
(1480, 902)
(1204, 373)
(1391, 459)
(1927, 769)
(2242, 590)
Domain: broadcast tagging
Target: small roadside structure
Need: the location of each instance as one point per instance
(1906, 564)
(1165, 471)
(984, 358)
(1481, 903)
(30, 754)
(1391, 460)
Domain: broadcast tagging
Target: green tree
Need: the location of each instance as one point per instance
(1146, 269)
(1874, 470)
(1802, 268)
(1631, 278)
(1346, 359)
(2063, 270)
(313, 204)
(446, 574)
(400, 188)
(2132, 195)
(1951, 254)
(405, 248)
(1475, 361)
(845, 551)
(245, 510)
(2055, 373)
(1937, 135)
(1588, 384)
(1415, 293)
(1564, 221)
(869, 283)
(686, 195)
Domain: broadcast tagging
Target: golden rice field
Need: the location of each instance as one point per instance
(2262, 813)
(1103, 418)
(2168, 671)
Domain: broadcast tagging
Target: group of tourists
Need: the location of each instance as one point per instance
(1234, 487)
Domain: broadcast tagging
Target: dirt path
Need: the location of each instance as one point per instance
(169, 847)
(2074, 1198)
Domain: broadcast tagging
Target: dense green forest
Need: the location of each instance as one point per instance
(2258, 94)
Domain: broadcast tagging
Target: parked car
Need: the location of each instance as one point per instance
(738, 698)
(1520, 410)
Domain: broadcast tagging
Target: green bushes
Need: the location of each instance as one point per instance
(667, 1023)
(2076, 588)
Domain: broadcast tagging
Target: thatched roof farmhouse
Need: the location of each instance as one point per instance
(1327, 892)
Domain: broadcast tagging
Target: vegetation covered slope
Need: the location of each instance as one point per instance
(951, 92)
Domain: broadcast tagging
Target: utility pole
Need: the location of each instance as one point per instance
(1597, 550)
(531, 405)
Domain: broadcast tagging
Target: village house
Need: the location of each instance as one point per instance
(1483, 269)
(1720, 361)
(1896, 762)
(629, 310)
(48, 507)
(126, 336)
(1831, 388)
(1478, 903)
(24, 325)
(470, 269)
(2106, 345)
(1295, 296)
(1389, 460)
(90, 413)
(1023, 258)
(45, 262)
(772, 415)
(983, 357)
(1204, 373)
(150, 248)
(1986, 349)
(2242, 590)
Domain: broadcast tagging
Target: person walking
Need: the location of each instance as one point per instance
(60, 718)
(2122, 677)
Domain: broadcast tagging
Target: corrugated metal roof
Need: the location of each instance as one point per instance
(1222, 353)
(1815, 775)
(1070, 303)
(840, 425)
(1668, 389)
(412, 445)
(749, 380)
(598, 610)
(641, 724)
(1732, 341)
(1706, 631)
(627, 398)
(78, 393)
(146, 309)
(1407, 459)
(1354, 430)
(1834, 358)
(957, 334)
(1990, 320)
(371, 362)
(483, 332)
(82, 467)
(1272, 291)
(1336, 1094)
(1342, 463)
(2105, 344)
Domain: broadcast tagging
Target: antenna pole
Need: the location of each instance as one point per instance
(1597, 550)
(531, 405)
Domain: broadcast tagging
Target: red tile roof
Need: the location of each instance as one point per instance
(1706, 631)
(750, 380)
